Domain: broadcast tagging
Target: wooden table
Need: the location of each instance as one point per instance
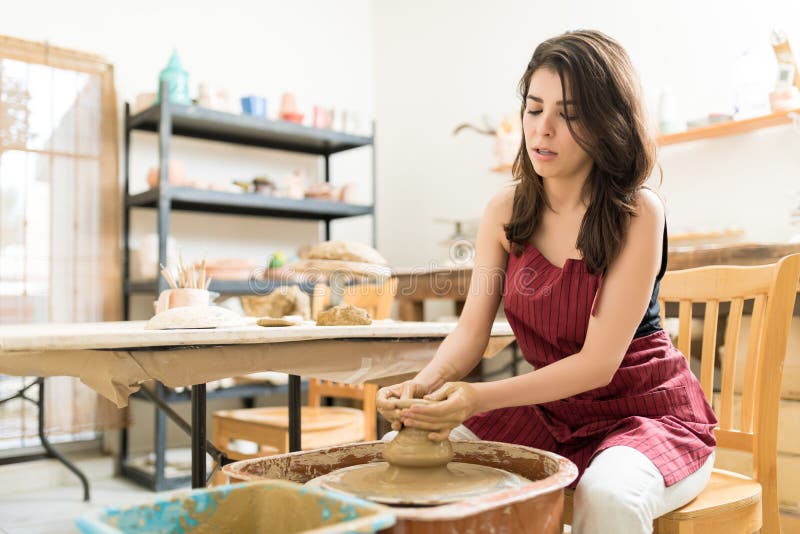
(115, 358)
(416, 285)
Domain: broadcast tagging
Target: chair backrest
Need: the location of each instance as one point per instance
(375, 297)
(366, 393)
(772, 290)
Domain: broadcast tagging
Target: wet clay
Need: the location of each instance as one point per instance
(344, 315)
(276, 321)
(412, 448)
(418, 471)
(384, 483)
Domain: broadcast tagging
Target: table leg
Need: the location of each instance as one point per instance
(51, 451)
(294, 413)
(159, 438)
(197, 428)
(199, 436)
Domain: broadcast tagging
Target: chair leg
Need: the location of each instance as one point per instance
(219, 436)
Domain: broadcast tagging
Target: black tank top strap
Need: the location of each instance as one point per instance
(664, 254)
(651, 322)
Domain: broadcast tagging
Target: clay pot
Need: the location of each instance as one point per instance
(176, 174)
(405, 450)
(182, 296)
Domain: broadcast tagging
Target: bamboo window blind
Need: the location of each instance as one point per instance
(59, 215)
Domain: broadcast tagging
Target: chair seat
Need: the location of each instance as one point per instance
(321, 427)
(725, 492)
(264, 450)
(311, 419)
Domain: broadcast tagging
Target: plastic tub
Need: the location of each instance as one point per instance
(273, 506)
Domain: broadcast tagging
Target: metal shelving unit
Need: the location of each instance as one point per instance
(168, 119)
(226, 287)
(190, 199)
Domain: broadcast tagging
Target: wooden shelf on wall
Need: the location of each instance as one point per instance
(723, 129)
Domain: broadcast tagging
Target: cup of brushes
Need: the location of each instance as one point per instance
(188, 288)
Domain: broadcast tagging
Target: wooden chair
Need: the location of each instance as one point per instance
(733, 503)
(376, 298)
(322, 426)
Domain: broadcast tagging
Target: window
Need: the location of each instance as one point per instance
(59, 216)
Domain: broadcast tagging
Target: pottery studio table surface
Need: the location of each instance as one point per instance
(115, 358)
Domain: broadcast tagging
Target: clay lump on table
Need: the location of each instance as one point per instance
(344, 314)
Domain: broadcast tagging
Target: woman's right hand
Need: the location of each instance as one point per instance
(385, 401)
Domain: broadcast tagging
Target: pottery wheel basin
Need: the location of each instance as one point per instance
(532, 507)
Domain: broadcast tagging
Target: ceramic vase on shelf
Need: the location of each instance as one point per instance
(178, 79)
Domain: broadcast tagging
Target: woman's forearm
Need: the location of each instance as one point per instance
(564, 378)
(458, 354)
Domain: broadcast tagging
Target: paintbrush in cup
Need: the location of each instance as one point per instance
(202, 282)
(168, 277)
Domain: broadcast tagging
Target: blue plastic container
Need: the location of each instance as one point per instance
(272, 506)
(254, 105)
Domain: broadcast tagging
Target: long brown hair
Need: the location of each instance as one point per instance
(613, 132)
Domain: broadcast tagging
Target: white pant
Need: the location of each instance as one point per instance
(622, 491)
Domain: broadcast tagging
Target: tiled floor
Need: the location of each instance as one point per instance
(48, 498)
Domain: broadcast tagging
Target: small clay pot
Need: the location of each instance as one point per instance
(412, 448)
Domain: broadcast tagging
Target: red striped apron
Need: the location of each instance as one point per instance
(653, 403)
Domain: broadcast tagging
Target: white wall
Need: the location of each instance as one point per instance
(438, 64)
(421, 68)
(322, 51)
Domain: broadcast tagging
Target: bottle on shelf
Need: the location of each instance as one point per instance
(784, 55)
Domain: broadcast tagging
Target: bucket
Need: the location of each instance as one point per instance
(271, 507)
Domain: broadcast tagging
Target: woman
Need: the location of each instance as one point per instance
(582, 245)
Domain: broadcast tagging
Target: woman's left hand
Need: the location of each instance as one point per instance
(459, 401)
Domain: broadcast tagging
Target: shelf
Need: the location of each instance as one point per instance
(169, 119)
(203, 123)
(226, 287)
(723, 129)
(191, 199)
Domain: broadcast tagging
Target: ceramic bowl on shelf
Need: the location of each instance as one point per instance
(292, 117)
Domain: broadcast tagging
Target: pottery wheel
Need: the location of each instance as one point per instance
(388, 484)
(418, 472)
